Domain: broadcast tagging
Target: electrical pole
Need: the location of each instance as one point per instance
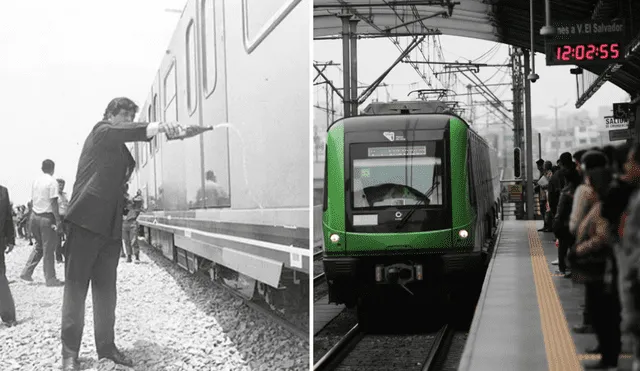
(529, 156)
(556, 108)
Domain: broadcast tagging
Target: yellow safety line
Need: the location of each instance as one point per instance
(558, 343)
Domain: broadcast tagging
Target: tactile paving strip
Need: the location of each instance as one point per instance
(559, 345)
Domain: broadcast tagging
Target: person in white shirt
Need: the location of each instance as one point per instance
(46, 225)
(63, 204)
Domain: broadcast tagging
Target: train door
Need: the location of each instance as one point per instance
(212, 81)
(265, 43)
(181, 171)
(155, 153)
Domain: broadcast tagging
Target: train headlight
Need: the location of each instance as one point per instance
(463, 233)
(334, 238)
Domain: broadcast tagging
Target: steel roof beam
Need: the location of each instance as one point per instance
(326, 79)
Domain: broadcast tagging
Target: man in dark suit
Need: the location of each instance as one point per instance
(94, 216)
(7, 241)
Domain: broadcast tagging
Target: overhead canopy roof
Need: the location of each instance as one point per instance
(396, 18)
(505, 21)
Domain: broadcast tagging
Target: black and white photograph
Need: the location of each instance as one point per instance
(155, 185)
(475, 172)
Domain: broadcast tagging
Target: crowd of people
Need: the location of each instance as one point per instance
(590, 202)
(87, 232)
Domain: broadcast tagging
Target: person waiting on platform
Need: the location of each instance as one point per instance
(589, 259)
(561, 220)
(543, 183)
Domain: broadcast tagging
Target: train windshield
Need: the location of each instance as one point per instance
(398, 175)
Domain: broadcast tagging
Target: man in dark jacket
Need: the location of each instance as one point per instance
(7, 241)
(556, 183)
(95, 228)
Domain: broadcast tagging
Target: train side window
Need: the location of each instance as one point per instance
(155, 117)
(470, 175)
(325, 197)
(210, 74)
(261, 17)
(170, 99)
(192, 102)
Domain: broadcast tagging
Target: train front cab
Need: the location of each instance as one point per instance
(377, 235)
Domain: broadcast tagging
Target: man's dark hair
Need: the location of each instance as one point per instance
(548, 165)
(48, 166)
(119, 104)
(566, 160)
(540, 162)
(61, 181)
(578, 154)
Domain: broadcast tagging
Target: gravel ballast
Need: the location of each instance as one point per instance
(166, 319)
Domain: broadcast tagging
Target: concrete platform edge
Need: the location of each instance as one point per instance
(465, 361)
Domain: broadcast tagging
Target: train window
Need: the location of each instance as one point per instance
(386, 176)
(325, 197)
(209, 75)
(192, 101)
(260, 18)
(170, 106)
(471, 176)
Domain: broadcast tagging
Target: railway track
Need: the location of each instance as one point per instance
(319, 278)
(437, 347)
(262, 308)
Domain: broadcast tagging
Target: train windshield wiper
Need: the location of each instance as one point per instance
(417, 205)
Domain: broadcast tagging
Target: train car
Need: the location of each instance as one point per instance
(233, 201)
(411, 196)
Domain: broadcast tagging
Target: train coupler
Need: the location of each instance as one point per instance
(398, 273)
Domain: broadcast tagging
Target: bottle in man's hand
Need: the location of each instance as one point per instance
(188, 132)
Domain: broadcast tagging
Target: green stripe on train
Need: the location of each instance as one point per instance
(462, 213)
(333, 219)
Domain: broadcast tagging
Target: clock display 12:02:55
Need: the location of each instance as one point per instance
(587, 52)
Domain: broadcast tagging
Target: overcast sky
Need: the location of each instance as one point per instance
(62, 62)
(556, 84)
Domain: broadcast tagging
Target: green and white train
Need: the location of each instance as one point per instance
(411, 195)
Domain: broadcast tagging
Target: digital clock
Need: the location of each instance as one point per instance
(585, 53)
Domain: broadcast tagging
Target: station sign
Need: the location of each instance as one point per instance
(586, 43)
(621, 134)
(515, 192)
(611, 122)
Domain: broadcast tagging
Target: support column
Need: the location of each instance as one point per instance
(346, 64)
(528, 138)
(354, 66)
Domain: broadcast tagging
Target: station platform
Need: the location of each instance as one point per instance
(526, 312)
